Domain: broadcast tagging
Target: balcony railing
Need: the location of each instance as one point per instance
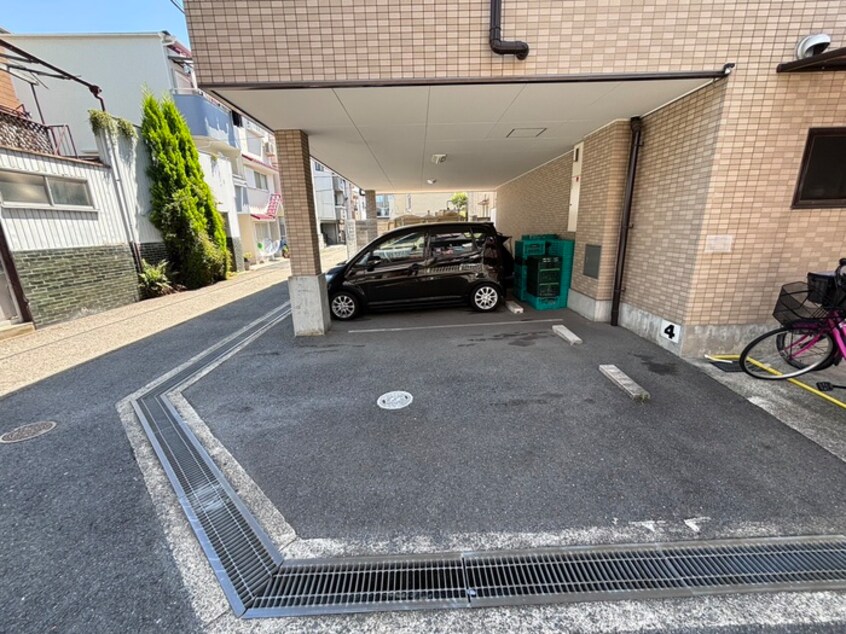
(257, 200)
(18, 130)
(206, 116)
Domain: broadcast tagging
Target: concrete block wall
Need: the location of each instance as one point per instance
(62, 284)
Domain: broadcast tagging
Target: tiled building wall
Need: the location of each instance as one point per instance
(537, 202)
(297, 194)
(331, 40)
(761, 141)
(8, 98)
(604, 159)
(670, 197)
(764, 120)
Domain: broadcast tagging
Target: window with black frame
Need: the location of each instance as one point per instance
(822, 176)
(452, 244)
(403, 249)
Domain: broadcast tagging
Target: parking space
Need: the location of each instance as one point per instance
(513, 437)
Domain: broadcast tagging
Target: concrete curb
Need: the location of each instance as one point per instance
(567, 335)
(514, 307)
(622, 380)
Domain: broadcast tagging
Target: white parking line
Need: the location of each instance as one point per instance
(491, 323)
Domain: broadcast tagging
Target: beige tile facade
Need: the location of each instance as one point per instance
(334, 40)
(8, 98)
(765, 124)
(537, 202)
(721, 163)
(298, 197)
(604, 159)
(670, 199)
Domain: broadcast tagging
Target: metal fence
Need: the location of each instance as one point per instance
(19, 131)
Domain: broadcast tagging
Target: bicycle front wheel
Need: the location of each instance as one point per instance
(788, 352)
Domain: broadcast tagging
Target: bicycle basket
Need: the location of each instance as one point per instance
(795, 304)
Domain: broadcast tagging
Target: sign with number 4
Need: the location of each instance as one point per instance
(670, 331)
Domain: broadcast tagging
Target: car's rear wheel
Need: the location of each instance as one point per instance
(485, 298)
(344, 306)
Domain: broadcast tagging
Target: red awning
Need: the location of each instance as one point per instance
(263, 217)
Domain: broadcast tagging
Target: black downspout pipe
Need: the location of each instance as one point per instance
(519, 49)
(636, 124)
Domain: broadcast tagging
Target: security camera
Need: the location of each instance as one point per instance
(812, 45)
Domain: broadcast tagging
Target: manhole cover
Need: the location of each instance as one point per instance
(25, 432)
(394, 400)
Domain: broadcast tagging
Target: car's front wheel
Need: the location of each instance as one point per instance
(344, 306)
(485, 298)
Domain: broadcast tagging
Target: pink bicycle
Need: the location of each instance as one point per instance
(813, 332)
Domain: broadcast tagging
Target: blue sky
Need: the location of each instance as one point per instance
(93, 16)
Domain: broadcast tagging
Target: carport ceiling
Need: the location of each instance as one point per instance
(383, 138)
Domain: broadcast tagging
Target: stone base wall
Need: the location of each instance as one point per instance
(153, 252)
(236, 250)
(62, 284)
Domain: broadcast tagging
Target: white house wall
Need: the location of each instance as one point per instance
(217, 172)
(45, 227)
(70, 262)
(134, 159)
(123, 65)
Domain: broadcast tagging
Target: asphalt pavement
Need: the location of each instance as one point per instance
(82, 549)
(511, 431)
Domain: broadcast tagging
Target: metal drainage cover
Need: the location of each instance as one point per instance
(394, 400)
(25, 432)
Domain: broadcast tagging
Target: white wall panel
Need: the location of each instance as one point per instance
(44, 227)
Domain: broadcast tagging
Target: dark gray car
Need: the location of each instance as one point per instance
(424, 264)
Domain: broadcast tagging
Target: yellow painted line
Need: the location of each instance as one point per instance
(796, 382)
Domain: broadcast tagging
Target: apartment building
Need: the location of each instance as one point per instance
(236, 153)
(693, 150)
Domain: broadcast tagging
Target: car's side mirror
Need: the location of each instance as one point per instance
(373, 261)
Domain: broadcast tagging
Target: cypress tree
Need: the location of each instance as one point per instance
(184, 209)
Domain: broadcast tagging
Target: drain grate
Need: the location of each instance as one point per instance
(553, 576)
(301, 588)
(659, 570)
(240, 552)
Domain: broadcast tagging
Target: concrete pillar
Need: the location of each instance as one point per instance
(370, 203)
(368, 229)
(307, 284)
